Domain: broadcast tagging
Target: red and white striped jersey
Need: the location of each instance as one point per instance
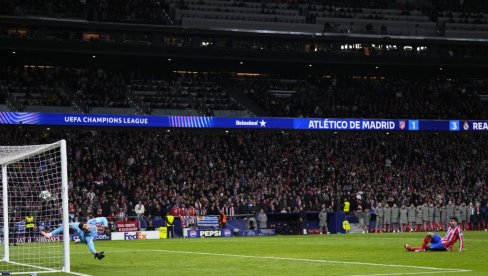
(452, 235)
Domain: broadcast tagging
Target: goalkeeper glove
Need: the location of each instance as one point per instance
(99, 255)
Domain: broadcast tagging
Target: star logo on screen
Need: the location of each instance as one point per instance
(262, 123)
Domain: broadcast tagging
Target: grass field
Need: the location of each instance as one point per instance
(354, 254)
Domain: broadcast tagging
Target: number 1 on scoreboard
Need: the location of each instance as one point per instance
(413, 125)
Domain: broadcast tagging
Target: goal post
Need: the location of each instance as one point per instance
(27, 173)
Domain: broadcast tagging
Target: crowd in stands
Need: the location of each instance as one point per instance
(123, 11)
(362, 97)
(202, 92)
(96, 87)
(59, 86)
(241, 172)
(367, 17)
(339, 97)
(34, 85)
(299, 12)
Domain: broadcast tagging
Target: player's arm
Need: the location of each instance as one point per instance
(461, 241)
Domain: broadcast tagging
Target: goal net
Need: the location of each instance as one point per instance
(34, 198)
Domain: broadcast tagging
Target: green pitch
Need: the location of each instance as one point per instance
(353, 254)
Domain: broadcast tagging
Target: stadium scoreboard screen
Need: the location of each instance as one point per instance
(324, 124)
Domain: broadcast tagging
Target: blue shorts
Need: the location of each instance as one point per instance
(436, 243)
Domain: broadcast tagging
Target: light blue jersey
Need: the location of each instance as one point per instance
(98, 221)
(85, 237)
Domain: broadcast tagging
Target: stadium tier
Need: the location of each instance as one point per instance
(414, 18)
(98, 90)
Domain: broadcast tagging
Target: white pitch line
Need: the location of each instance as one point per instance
(77, 273)
(411, 273)
(438, 270)
(46, 270)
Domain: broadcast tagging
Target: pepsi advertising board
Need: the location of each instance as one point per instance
(196, 233)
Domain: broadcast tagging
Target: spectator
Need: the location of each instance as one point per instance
(222, 219)
(323, 220)
(139, 210)
(251, 223)
(262, 219)
(302, 221)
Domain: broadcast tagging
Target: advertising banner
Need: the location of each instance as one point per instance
(208, 221)
(196, 233)
(36, 238)
(126, 226)
(331, 124)
(253, 233)
(137, 235)
(100, 237)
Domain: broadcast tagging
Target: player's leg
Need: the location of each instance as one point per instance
(13, 235)
(409, 247)
(90, 242)
(28, 234)
(427, 239)
(52, 233)
(436, 244)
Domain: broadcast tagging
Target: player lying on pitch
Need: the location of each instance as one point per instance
(454, 233)
(87, 232)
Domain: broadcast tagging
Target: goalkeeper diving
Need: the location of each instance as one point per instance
(87, 232)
